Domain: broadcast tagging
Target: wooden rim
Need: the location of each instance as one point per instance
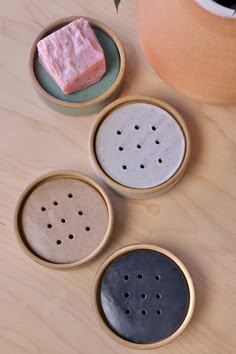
(97, 100)
(35, 184)
(139, 192)
(97, 308)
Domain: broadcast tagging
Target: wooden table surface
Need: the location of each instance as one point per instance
(49, 312)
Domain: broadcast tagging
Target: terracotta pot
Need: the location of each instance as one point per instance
(191, 44)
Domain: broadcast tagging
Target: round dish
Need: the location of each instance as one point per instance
(93, 98)
(143, 304)
(139, 146)
(63, 219)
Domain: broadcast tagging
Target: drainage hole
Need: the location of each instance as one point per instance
(127, 311)
(157, 277)
(63, 221)
(154, 128)
(121, 148)
(126, 277)
(70, 195)
(143, 296)
(139, 146)
(87, 228)
(118, 132)
(141, 166)
(160, 160)
(136, 127)
(58, 242)
(43, 209)
(158, 296)
(144, 312)
(127, 294)
(49, 226)
(124, 167)
(55, 202)
(80, 212)
(71, 237)
(158, 312)
(140, 276)
(157, 142)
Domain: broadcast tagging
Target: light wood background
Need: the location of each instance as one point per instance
(44, 311)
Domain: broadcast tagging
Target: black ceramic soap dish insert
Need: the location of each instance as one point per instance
(143, 296)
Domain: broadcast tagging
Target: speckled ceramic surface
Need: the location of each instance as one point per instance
(140, 145)
(64, 219)
(143, 296)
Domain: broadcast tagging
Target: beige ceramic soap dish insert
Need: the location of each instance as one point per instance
(63, 219)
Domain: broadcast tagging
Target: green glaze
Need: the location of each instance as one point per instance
(112, 64)
(78, 111)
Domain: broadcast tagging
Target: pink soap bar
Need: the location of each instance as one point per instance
(72, 56)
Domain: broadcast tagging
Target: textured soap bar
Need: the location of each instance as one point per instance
(72, 56)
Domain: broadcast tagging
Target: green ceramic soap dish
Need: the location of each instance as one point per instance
(93, 98)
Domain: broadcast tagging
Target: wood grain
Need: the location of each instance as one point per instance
(47, 311)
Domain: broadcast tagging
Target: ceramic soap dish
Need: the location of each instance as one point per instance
(63, 219)
(143, 296)
(93, 98)
(140, 146)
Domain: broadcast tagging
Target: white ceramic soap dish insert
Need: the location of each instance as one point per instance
(140, 146)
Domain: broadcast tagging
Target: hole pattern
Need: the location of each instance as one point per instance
(136, 127)
(144, 130)
(144, 312)
(63, 220)
(150, 302)
(42, 240)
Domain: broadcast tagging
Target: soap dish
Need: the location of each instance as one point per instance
(143, 296)
(63, 219)
(140, 146)
(93, 98)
